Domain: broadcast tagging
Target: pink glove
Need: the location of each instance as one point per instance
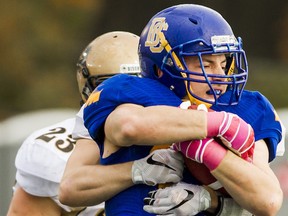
(233, 132)
(206, 151)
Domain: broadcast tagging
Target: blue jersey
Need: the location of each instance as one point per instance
(254, 108)
(111, 93)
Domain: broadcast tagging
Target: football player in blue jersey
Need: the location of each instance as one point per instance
(185, 55)
(189, 52)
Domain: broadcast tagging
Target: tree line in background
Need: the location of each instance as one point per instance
(42, 40)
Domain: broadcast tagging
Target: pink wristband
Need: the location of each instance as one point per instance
(213, 155)
(206, 151)
(214, 120)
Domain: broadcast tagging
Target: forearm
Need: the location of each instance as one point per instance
(25, 204)
(92, 185)
(251, 183)
(133, 124)
(248, 185)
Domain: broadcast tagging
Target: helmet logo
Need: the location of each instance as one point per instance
(153, 40)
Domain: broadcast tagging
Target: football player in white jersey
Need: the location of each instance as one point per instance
(42, 157)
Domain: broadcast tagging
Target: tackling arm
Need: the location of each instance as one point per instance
(131, 124)
(160, 125)
(24, 204)
(78, 188)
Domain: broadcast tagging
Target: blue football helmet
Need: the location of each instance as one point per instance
(192, 30)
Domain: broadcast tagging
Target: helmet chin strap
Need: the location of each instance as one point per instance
(196, 101)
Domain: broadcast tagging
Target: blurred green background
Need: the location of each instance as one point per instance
(41, 42)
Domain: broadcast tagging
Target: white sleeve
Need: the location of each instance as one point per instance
(79, 130)
(36, 186)
(43, 156)
(43, 188)
(41, 160)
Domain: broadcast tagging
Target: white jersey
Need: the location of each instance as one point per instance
(80, 131)
(41, 160)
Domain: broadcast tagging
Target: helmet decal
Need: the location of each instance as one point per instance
(129, 68)
(153, 40)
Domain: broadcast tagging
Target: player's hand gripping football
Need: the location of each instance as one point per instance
(206, 151)
(234, 132)
(225, 128)
(181, 199)
(160, 166)
(230, 130)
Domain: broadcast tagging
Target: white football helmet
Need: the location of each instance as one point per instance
(109, 54)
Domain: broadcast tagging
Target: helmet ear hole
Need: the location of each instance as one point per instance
(84, 69)
(157, 72)
(85, 72)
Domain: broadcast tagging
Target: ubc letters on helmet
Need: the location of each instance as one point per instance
(153, 39)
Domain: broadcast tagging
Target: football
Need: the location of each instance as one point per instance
(202, 174)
